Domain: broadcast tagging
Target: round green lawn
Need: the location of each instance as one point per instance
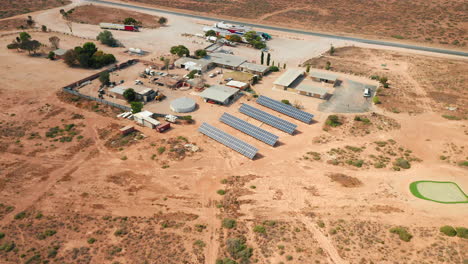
(440, 192)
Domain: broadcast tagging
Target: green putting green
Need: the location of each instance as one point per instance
(439, 192)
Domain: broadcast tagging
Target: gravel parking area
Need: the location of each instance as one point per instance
(348, 98)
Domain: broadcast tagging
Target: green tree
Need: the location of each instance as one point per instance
(129, 95)
(24, 36)
(30, 45)
(262, 57)
(448, 230)
(30, 21)
(268, 59)
(274, 68)
(328, 66)
(104, 77)
(44, 28)
(180, 50)
(131, 21)
(200, 53)
(162, 21)
(308, 68)
(332, 50)
(284, 66)
(106, 38)
(210, 33)
(235, 38)
(51, 55)
(136, 107)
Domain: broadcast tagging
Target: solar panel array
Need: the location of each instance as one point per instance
(249, 129)
(267, 118)
(229, 141)
(285, 109)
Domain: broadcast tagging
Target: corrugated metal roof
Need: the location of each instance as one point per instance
(288, 77)
(226, 59)
(314, 89)
(323, 75)
(236, 84)
(219, 93)
(60, 52)
(255, 67)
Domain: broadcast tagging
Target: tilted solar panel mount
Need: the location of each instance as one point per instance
(285, 109)
(229, 141)
(267, 118)
(249, 129)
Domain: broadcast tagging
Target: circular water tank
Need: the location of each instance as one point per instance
(183, 105)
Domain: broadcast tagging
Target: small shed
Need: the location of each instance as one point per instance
(145, 118)
(127, 130)
(59, 53)
(326, 77)
(220, 94)
(316, 91)
(286, 79)
(237, 84)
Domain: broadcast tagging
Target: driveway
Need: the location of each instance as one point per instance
(348, 98)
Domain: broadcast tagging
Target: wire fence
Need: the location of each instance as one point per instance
(123, 107)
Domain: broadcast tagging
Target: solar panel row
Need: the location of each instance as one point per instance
(232, 142)
(249, 129)
(267, 118)
(285, 109)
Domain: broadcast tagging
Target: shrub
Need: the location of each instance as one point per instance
(2, 235)
(237, 248)
(284, 101)
(8, 246)
(20, 215)
(451, 117)
(402, 163)
(229, 223)
(91, 240)
(120, 232)
(199, 243)
(104, 78)
(376, 100)
(333, 121)
(462, 232)
(274, 68)
(221, 192)
(162, 20)
(448, 230)
(180, 50)
(161, 150)
(136, 107)
(402, 233)
(259, 229)
(51, 55)
(210, 33)
(289, 257)
(106, 38)
(200, 53)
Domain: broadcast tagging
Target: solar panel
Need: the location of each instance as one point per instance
(265, 117)
(249, 129)
(285, 109)
(229, 141)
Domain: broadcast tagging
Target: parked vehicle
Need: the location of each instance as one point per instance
(118, 27)
(212, 75)
(367, 92)
(163, 127)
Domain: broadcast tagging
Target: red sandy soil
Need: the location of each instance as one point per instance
(435, 22)
(95, 14)
(84, 194)
(9, 8)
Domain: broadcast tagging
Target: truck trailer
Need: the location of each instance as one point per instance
(118, 27)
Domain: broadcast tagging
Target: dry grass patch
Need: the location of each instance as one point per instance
(345, 180)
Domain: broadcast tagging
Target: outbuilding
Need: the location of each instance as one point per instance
(145, 118)
(190, 64)
(255, 68)
(219, 94)
(288, 78)
(142, 93)
(237, 84)
(326, 77)
(58, 53)
(316, 91)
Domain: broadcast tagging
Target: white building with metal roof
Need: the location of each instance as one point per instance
(237, 84)
(312, 90)
(219, 94)
(321, 76)
(254, 68)
(287, 78)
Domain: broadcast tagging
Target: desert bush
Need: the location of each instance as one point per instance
(376, 100)
(462, 232)
(229, 223)
(221, 192)
(402, 233)
(20, 215)
(284, 101)
(237, 248)
(91, 240)
(274, 69)
(259, 229)
(448, 230)
(333, 121)
(402, 163)
(161, 150)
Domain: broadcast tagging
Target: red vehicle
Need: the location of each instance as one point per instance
(163, 127)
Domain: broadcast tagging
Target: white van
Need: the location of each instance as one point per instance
(367, 92)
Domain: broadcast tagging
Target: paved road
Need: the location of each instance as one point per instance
(303, 32)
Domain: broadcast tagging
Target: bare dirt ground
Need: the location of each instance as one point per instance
(11, 8)
(73, 190)
(417, 83)
(95, 14)
(438, 22)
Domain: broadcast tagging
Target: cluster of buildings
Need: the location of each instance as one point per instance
(291, 80)
(221, 60)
